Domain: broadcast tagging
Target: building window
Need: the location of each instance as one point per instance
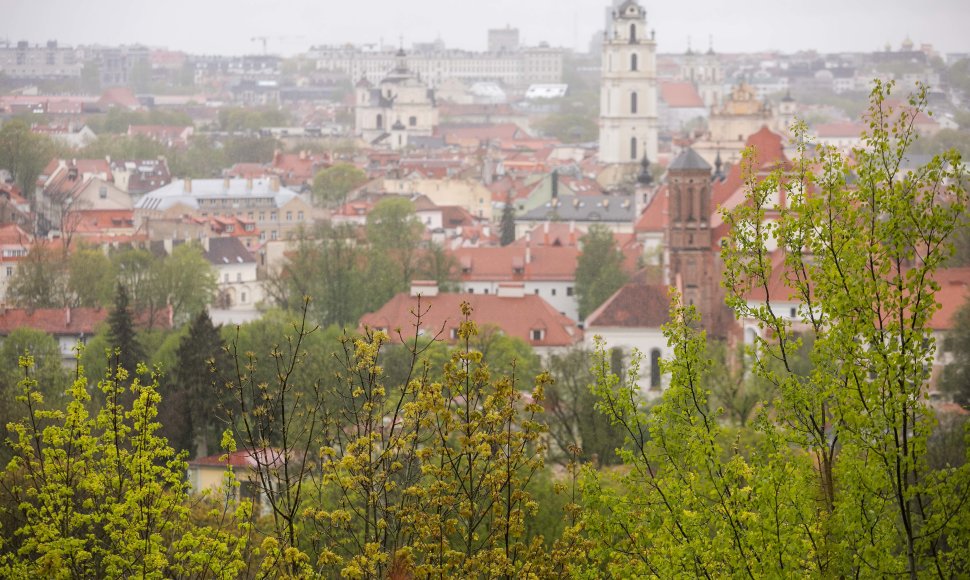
(536, 334)
(655, 368)
(262, 216)
(633, 62)
(454, 333)
(299, 215)
(289, 216)
(243, 298)
(238, 276)
(633, 103)
(380, 121)
(9, 270)
(272, 216)
(273, 235)
(225, 278)
(569, 290)
(413, 121)
(553, 291)
(633, 148)
(633, 36)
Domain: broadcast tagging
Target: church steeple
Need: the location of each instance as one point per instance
(644, 177)
(628, 91)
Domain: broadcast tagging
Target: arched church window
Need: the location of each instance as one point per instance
(655, 368)
(633, 34)
(633, 148)
(413, 121)
(633, 103)
(380, 121)
(633, 62)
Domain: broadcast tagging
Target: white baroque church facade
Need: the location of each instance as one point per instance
(400, 107)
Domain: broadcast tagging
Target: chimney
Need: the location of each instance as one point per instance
(67, 316)
(225, 183)
(528, 247)
(545, 233)
(187, 185)
(274, 183)
(249, 184)
(511, 290)
(572, 233)
(424, 288)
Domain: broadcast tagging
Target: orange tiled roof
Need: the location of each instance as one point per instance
(680, 94)
(516, 316)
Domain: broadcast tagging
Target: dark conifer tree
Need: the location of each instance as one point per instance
(191, 407)
(122, 335)
(508, 222)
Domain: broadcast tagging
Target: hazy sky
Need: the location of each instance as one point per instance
(228, 26)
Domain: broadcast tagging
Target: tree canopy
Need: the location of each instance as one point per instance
(599, 272)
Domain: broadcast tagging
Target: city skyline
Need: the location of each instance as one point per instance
(224, 27)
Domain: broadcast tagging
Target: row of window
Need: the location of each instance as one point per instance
(552, 291)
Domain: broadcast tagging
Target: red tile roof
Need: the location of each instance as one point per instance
(516, 316)
(832, 130)
(68, 321)
(680, 94)
(654, 217)
(119, 97)
(953, 295)
(240, 458)
(500, 263)
(634, 305)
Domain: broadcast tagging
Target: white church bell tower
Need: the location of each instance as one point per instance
(628, 98)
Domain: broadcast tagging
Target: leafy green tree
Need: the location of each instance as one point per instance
(183, 280)
(102, 495)
(90, 278)
(47, 369)
(40, 280)
(329, 267)
(394, 240)
(578, 430)
(124, 147)
(332, 185)
(438, 264)
(599, 272)
(186, 281)
(833, 477)
(24, 153)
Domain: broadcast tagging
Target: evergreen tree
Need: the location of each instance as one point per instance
(189, 412)
(508, 222)
(122, 334)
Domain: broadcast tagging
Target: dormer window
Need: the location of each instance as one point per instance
(537, 334)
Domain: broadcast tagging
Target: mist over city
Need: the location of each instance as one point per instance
(463, 289)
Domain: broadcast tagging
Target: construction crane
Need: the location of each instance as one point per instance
(263, 39)
(282, 39)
